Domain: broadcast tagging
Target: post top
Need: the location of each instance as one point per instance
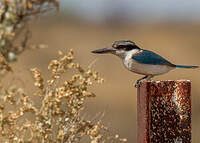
(162, 81)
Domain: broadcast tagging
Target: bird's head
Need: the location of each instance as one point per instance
(119, 48)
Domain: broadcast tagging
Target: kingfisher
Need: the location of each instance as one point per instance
(139, 60)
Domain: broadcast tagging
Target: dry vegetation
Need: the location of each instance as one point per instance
(14, 15)
(58, 118)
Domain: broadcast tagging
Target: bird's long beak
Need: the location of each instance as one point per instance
(103, 51)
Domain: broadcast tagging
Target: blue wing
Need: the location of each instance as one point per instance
(148, 57)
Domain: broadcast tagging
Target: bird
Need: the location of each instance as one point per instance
(140, 61)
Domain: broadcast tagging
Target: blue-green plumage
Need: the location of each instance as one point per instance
(183, 66)
(149, 57)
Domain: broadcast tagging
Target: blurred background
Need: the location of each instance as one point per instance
(170, 28)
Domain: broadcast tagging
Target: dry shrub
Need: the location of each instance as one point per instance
(58, 118)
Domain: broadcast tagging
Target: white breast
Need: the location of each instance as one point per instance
(145, 69)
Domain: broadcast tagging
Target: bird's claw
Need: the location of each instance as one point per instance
(137, 83)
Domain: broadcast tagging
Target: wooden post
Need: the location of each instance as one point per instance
(164, 112)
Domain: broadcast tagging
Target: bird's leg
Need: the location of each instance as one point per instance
(138, 82)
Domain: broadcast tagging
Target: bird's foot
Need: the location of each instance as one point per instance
(138, 82)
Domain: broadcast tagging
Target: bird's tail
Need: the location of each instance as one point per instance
(188, 67)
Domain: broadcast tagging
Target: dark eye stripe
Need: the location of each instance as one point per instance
(127, 47)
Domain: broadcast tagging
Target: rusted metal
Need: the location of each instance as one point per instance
(164, 112)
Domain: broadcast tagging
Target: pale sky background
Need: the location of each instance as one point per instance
(134, 9)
